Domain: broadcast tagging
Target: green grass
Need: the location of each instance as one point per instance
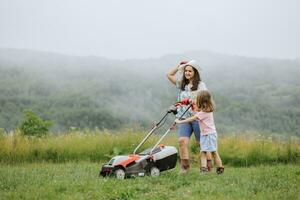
(66, 167)
(80, 181)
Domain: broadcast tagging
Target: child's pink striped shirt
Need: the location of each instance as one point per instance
(207, 124)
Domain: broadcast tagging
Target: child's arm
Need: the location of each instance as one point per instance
(187, 120)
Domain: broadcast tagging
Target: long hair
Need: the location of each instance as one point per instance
(205, 101)
(196, 79)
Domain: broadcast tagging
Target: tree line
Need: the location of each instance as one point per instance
(91, 92)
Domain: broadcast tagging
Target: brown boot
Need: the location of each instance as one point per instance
(209, 165)
(184, 166)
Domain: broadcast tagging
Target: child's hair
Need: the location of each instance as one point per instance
(205, 101)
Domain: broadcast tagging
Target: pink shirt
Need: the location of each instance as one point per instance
(206, 122)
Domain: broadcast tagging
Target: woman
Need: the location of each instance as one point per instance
(188, 82)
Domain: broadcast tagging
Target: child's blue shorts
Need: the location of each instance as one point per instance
(186, 130)
(209, 142)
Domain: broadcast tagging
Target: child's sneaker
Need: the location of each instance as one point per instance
(220, 170)
(203, 170)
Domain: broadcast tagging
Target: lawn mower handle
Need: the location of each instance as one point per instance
(173, 110)
(166, 133)
(148, 135)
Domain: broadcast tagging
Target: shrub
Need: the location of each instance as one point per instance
(2, 132)
(34, 125)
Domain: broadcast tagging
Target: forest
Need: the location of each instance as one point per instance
(251, 94)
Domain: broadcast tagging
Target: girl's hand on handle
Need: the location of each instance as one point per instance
(177, 121)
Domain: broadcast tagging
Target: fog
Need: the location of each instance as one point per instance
(90, 92)
(145, 29)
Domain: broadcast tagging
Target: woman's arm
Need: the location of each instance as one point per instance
(172, 74)
(187, 120)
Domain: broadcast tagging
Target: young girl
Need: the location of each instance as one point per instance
(208, 142)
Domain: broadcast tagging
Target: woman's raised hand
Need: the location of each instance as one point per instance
(183, 62)
(180, 66)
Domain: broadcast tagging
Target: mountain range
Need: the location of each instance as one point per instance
(260, 94)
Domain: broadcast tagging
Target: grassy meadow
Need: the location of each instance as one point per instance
(66, 167)
(80, 181)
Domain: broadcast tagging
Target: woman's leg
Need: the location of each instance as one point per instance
(183, 147)
(184, 133)
(184, 154)
(197, 134)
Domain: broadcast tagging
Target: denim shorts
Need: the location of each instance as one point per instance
(186, 130)
(209, 142)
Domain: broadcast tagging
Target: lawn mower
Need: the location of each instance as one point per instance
(151, 161)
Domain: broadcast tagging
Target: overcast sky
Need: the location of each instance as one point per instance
(152, 28)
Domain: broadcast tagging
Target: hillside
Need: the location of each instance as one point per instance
(86, 92)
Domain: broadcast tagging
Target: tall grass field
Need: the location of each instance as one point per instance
(101, 146)
(66, 167)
